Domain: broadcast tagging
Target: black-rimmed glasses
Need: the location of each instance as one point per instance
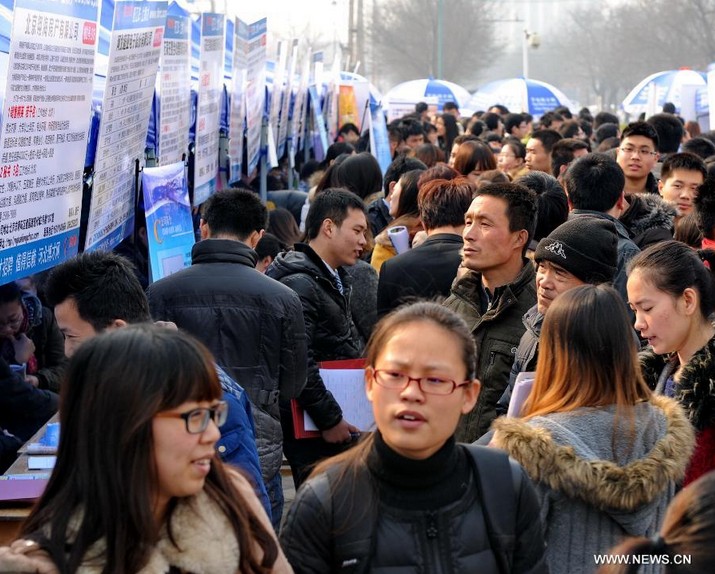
(197, 420)
(396, 380)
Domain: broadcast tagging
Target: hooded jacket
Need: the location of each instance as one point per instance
(695, 391)
(593, 491)
(331, 331)
(497, 333)
(251, 324)
(649, 219)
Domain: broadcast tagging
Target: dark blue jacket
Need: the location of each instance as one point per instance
(237, 445)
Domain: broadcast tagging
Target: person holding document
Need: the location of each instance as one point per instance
(605, 453)
(138, 486)
(408, 498)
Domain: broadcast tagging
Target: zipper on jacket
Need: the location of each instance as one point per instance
(431, 530)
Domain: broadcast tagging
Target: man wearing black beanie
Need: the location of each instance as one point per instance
(580, 251)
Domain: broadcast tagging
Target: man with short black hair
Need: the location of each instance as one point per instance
(594, 185)
(515, 126)
(335, 233)
(97, 291)
(637, 156)
(680, 177)
(564, 152)
(413, 133)
(538, 149)
(670, 135)
(496, 291)
(252, 324)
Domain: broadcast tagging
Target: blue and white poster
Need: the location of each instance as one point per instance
(320, 134)
(174, 87)
(379, 138)
(136, 41)
(286, 111)
(45, 120)
(169, 227)
(255, 90)
(208, 112)
(238, 99)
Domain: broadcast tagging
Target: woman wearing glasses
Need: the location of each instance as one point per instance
(408, 499)
(137, 486)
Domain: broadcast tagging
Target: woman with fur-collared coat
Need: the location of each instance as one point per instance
(673, 295)
(604, 453)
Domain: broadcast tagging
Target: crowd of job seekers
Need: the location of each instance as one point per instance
(572, 252)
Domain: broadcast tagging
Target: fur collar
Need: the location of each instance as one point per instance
(696, 382)
(202, 533)
(601, 483)
(647, 211)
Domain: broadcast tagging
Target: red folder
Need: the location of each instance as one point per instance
(297, 411)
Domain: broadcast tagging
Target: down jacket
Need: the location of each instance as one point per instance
(252, 325)
(593, 490)
(331, 331)
(695, 391)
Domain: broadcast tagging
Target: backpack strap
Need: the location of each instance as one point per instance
(351, 504)
(498, 484)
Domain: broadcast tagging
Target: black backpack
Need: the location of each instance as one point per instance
(498, 481)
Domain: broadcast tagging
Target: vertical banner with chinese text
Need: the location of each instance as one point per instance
(137, 37)
(45, 120)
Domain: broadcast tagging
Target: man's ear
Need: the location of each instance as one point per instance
(204, 229)
(117, 324)
(254, 238)
(327, 227)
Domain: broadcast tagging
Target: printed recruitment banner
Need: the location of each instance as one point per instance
(301, 98)
(137, 34)
(379, 138)
(347, 106)
(170, 230)
(255, 90)
(277, 90)
(174, 87)
(285, 104)
(320, 134)
(43, 140)
(208, 108)
(238, 99)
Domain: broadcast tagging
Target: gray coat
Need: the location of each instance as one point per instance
(590, 496)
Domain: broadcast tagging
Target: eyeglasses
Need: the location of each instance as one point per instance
(197, 420)
(429, 385)
(644, 151)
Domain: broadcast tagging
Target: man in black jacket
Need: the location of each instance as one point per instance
(335, 230)
(252, 324)
(428, 271)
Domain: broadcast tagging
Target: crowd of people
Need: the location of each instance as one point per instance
(571, 252)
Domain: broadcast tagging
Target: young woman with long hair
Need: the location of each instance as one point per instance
(409, 489)
(138, 486)
(672, 293)
(604, 453)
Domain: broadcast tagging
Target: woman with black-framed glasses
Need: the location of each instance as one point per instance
(138, 486)
(408, 498)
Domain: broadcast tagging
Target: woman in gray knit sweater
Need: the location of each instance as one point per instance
(603, 451)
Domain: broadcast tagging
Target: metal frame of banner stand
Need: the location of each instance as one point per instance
(264, 160)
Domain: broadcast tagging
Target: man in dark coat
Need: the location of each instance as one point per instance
(335, 231)
(427, 271)
(252, 324)
(498, 289)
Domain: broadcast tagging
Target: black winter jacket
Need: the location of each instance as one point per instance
(420, 528)
(331, 331)
(252, 324)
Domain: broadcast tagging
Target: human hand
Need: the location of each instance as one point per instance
(24, 348)
(33, 380)
(26, 556)
(341, 433)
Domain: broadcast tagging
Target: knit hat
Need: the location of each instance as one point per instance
(585, 246)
